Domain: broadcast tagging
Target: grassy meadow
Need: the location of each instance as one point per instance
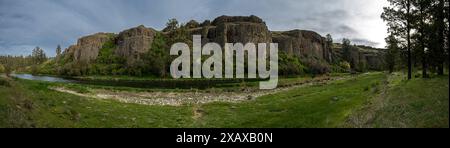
(367, 100)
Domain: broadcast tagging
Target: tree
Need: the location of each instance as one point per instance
(8, 67)
(58, 53)
(329, 40)
(157, 58)
(348, 54)
(346, 48)
(58, 50)
(38, 55)
(422, 35)
(438, 32)
(171, 25)
(192, 24)
(392, 54)
(399, 20)
(15, 63)
(447, 29)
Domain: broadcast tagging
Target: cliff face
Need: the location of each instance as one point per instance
(131, 43)
(227, 29)
(362, 57)
(135, 41)
(303, 44)
(88, 47)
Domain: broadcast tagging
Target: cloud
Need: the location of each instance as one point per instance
(360, 41)
(47, 23)
(364, 42)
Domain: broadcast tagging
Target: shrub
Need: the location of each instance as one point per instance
(345, 66)
(342, 67)
(316, 66)
(4, 82)
(156, 61)
(290, 65)
(2, 68)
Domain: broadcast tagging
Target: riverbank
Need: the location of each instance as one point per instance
(193, 96)
(171, 84)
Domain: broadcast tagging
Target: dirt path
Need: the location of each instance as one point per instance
(180, 98)
(364, 117)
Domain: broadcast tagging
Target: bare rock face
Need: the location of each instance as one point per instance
(372, 57)
(251, 29)
(362, 57)
(132, 42)
(238, 29)
(88, 47)
(303, 44)
(233, 19)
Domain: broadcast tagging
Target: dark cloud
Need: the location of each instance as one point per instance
(25, 24)
(344, 29)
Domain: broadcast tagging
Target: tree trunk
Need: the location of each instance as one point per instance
(441, 69)
(422, 44)
(441, 36)
(424, 66)
(408, 38)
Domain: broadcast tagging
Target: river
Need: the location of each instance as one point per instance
(42, 78)
(156, 83)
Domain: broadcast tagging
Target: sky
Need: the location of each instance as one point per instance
(25, 24)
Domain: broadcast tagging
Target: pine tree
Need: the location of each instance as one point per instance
(399, 20)
(58, 51)
(392, 54)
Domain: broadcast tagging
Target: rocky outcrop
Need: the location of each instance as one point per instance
(372, 57)
(227, 29)
(135, 41)
(129, 44)
(251, 29)
(88, 47)
(362, 57)
(309, 45)
(303, 44)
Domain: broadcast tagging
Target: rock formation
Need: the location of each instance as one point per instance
(131, 43)
(227, 29)
(134, 41)
(88, 47)
(370, 58)
(303, 44)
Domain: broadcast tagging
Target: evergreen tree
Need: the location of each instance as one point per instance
(399, 20)
(58, 50)
(393, 53)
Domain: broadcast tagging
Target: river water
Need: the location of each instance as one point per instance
(156, 83)
(41, 78)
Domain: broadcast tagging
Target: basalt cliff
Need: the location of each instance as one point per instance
(132, 43)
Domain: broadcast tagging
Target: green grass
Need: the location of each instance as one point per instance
(316, 106)
(225, 87)
(31, 104)
(415, 103)
(54, 109)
